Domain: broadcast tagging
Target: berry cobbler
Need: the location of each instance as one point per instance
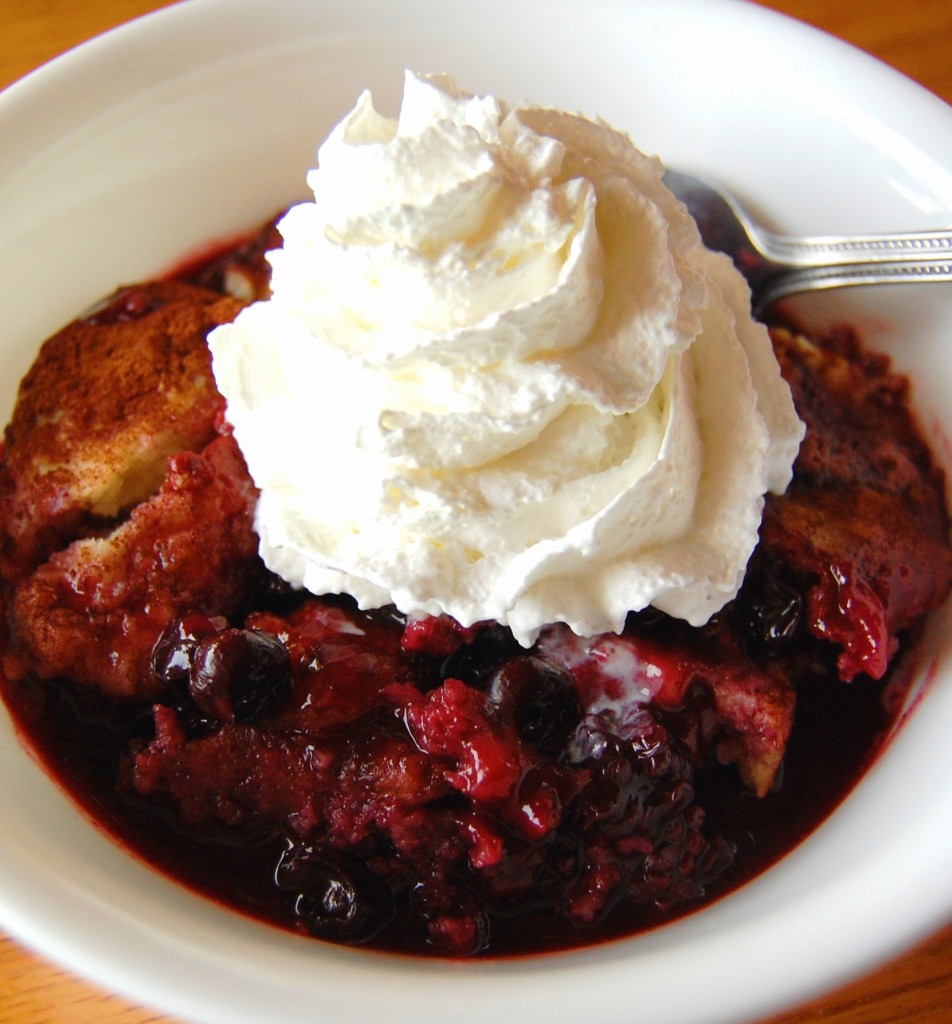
(365, 770)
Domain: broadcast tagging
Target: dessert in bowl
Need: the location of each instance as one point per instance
(605, 957)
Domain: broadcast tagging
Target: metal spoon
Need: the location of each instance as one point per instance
(780, 265)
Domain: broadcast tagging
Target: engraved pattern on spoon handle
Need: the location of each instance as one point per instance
(795, 282)
(821, 251)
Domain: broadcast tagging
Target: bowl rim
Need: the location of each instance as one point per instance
(125, 51)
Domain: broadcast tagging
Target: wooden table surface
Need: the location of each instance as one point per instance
(916, 38)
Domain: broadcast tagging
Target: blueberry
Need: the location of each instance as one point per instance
(238, 674)
(476, 661)
(174, 651)
(539, 698)
(335, 897)
(770, 611)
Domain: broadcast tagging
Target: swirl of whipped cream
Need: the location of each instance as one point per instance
(500, 377)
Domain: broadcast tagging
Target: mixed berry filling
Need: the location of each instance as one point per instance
(410, 784)
(470, 782)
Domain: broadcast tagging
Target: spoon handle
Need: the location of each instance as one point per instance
(814, 278)
(831, 250)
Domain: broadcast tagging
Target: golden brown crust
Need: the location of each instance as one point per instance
(93, 612)
(864, 523)
(108, 400)
(122, 503)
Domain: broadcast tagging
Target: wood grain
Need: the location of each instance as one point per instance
(916, 38)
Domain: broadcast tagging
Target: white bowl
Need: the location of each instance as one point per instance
(200, 121)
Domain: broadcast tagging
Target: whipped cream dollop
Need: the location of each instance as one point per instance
(500, 377)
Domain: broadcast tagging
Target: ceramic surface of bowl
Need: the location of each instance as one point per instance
(200, 121)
